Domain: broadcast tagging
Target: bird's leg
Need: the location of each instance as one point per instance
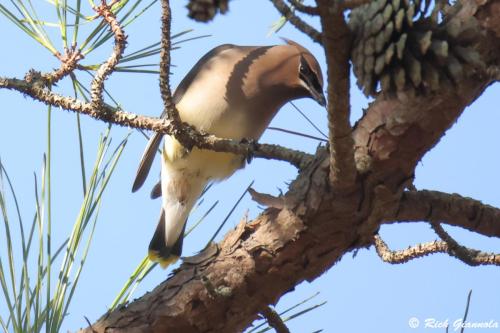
(252, 146)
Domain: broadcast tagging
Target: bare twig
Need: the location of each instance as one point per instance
(108, 67)
(274, 320)
(337, 42)
(287, 12)
(311, 10)
(452, 209)
(469, 256)
(447, 245)
(414, 252)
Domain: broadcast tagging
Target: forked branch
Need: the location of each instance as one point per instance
(469, 256)
(97, 85)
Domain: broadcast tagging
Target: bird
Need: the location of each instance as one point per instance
(232, 92)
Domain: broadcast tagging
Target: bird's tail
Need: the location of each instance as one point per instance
(180, 190)
(158, 249)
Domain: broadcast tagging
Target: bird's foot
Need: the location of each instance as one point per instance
(252, 146)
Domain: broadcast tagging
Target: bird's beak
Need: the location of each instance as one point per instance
(316, 93)
(319, 97)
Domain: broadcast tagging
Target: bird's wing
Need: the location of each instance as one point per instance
(155, 140)
(147, 160)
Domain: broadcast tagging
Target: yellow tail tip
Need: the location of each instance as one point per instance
(164, 262)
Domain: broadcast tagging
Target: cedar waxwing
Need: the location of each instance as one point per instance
(232, 92)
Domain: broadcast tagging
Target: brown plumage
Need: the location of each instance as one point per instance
(232, 92)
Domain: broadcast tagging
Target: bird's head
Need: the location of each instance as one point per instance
(306, 72)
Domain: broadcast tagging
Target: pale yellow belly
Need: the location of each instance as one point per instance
(202, 163)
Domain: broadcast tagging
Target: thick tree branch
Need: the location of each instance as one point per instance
(107, 67)
(452, 209)
(301, 25)
(337, 42)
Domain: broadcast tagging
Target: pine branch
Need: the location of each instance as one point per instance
(452, 209)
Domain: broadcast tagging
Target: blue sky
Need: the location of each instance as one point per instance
(362, 292)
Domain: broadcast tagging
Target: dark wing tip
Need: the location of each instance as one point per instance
(137, 184)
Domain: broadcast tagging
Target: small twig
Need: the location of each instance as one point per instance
(337, 42)
(414, 252)
(169, 109)
(297, 158)
(287, 12)
(311, 10)
(181, 131)
(97, 85)
(446, 245)
(467, 255)
(274, 320)
(69, 62)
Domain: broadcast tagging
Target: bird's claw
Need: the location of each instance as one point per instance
(252, 146)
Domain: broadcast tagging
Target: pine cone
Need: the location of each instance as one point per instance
(397, 47)
(205, 10)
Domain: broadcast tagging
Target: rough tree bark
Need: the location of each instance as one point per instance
(311, 227)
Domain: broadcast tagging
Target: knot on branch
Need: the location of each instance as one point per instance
(69, 62)
(70, 57)
(36, 79)
(32, 76)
